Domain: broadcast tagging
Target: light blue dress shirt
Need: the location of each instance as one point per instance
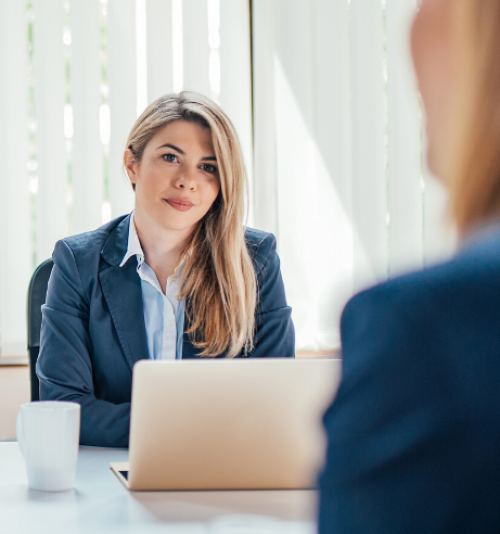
(163, 312)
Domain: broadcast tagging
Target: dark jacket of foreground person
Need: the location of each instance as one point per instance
(93, 327)
(414, 433)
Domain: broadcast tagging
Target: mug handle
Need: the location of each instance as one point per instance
(19, 431)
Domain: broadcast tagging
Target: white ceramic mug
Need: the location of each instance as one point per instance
(48, 434)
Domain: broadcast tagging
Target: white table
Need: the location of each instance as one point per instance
(100, 504)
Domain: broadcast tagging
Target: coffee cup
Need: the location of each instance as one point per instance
(48, 434)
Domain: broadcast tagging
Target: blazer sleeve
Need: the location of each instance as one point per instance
(390, 428)
(64, 365)
(274, 330)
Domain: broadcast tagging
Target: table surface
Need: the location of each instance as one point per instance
(100, 504)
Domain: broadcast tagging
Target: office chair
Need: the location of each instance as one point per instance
(37, 292)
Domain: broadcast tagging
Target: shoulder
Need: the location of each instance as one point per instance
(472, 268)
(261, 247)
(87, 244)
(436, 303)
(95, 239)
(79, 258)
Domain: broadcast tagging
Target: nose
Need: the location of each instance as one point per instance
(186, 180)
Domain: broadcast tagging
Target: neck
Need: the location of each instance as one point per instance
(161, 246)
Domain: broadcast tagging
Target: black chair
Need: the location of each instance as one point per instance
(37, 294)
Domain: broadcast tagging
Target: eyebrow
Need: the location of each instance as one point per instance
(168, 145)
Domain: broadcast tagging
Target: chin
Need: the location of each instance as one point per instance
(176, 224)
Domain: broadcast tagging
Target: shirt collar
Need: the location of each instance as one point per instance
(134, 245)
(134, 249)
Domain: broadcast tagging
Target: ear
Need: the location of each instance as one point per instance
(130, 164)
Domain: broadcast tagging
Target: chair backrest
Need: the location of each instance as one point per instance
(37, 293)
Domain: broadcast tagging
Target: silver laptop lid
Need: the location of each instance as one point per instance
(229, 424)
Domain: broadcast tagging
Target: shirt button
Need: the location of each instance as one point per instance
(169, 324)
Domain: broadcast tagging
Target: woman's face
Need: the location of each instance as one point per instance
(433, 55)
(177, 179)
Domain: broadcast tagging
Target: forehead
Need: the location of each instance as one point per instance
(188, 136)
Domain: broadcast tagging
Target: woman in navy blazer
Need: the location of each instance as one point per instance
(184, 162)
(414, 432)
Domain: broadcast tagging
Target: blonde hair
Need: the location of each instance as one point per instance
(473, 169)
(218, 278)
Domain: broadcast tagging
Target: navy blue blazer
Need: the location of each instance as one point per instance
(414, 432)
(93, 327)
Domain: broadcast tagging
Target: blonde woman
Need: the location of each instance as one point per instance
(414, 433)
(180, 277)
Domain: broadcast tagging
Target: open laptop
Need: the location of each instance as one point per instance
(227, 424)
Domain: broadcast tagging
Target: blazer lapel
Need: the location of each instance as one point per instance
(121, 287)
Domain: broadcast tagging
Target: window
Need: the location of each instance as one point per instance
(322, 96)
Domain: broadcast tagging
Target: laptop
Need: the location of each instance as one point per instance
(227, 424)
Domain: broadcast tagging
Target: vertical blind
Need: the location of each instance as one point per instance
(321, 94)
(339, 172)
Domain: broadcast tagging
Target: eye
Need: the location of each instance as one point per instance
(209, 168)
(171, 158)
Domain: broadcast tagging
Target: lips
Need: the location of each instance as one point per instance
(180, 204)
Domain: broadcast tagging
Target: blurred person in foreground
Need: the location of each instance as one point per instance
(414, 432)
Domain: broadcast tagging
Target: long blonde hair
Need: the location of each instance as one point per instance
(473, 168)
(218, 278)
